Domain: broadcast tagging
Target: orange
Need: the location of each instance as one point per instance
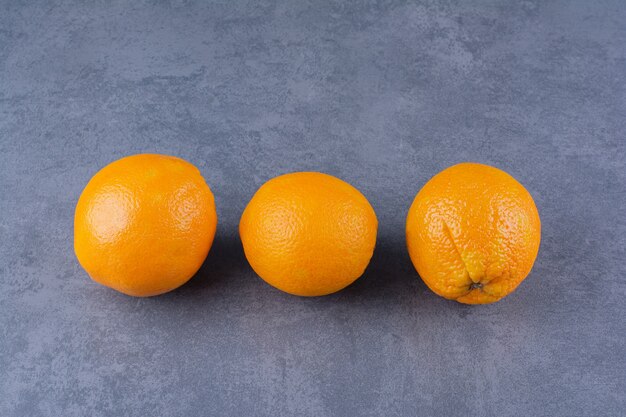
(308, 233)
(473, 233)
(144, 224)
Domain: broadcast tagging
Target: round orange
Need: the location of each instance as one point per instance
(144, 224)
(473, 233)
(308, 233)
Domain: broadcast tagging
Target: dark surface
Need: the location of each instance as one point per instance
(381, 94)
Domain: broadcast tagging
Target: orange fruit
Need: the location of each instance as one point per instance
(473, 233)
(308, 233)
(144, 224)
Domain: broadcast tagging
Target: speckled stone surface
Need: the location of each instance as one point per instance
(383, 94)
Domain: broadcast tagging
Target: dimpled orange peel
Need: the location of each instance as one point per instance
(144, 224)
(473, 233)
(308, 233)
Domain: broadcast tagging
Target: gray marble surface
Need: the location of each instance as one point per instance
(383, 94)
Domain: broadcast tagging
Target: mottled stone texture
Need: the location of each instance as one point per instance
(383, 94)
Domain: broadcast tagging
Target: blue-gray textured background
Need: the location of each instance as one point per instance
(383, 94)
